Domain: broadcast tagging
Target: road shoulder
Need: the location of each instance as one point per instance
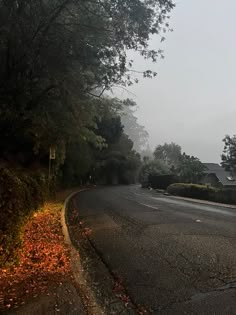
(206, 202)
(107, 291)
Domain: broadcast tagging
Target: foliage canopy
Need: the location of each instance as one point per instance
(229, 154)
(57, 57)
(169, 159)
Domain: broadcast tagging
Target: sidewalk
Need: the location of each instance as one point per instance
(205, 202)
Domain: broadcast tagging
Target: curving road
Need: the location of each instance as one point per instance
(174, 256)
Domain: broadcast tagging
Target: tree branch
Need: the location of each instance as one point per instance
(35, 101)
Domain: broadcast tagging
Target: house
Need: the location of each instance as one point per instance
(217, 176)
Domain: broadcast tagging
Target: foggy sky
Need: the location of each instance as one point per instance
(192, 100)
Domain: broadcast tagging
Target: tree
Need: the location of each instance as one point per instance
(147, 153)
(188, 168)
(229, 154)
(58, 56)
(170, 154)
(152, 167)
(132, 128)
(132, 161)
(78, 163)
(117, 162)
(191, 169)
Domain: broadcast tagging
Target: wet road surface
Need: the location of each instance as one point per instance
(174, 256)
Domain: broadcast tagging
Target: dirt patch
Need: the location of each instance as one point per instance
(63, 299)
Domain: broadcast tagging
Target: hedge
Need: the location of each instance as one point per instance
(20, 193)
(203, 192)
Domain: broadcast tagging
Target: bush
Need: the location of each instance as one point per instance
(190, 190)
(20, 193)
(152, 168)
(203, 192)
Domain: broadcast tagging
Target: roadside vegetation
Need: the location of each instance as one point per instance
(203, 192)
(181, 174)
(21, 194)
(58, 60)
(229, 154)
(169, 161)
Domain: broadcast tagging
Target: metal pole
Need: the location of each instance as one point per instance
(49, 174)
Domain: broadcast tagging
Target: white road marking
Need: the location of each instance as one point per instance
(148, 206)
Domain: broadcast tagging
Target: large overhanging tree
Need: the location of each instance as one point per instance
(55, 55)
(229, 154)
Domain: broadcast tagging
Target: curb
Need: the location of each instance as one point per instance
(89, 301)
(205, 202)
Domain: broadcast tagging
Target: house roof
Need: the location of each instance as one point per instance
(212, 167)
(224, 177)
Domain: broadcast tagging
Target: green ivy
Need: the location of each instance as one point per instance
(20, 193)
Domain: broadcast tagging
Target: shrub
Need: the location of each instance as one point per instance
(225, 196)
(20, 193)
(152, 168)
(190, 190)
(203, 192)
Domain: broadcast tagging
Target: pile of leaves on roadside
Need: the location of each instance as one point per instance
(43, 260)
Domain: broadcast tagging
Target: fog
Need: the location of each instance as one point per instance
(192, 100)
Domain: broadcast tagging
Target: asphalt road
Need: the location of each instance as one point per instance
(174, 256)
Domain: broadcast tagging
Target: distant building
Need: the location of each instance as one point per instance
(216, 176)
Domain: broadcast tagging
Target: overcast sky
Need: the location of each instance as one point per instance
(192, 100)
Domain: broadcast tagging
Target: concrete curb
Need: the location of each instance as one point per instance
(88, 297)
(205, 202)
